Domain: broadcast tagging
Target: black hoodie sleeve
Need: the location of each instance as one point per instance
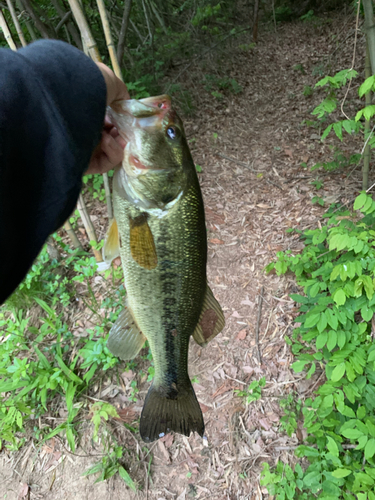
(52, 107)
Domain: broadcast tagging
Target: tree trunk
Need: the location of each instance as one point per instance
(255, 22)
(70, 25)
(16, 23)
(123, 30)
(38, 23)
(6, 31)
(370, 31)
(367, 152)
(29, 26)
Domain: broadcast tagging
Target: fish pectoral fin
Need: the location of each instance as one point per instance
(211, 320)
(125, 338)
(142, 245)
(111, 247)
(162, 413)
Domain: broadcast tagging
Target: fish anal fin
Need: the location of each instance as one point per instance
(111, 247)
(142, 245)
(211, 321)
(164, 411)
(125, 338)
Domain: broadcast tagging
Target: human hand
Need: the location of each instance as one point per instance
(110, 151)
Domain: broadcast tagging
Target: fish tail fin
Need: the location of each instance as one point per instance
(171, 409)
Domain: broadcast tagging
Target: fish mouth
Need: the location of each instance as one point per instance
(136, 165)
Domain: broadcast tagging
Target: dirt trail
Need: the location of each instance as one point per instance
(250, 202)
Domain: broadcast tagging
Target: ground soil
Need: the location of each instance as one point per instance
(250, 146)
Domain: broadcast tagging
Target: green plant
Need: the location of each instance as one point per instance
(253, 392)
(292, 410)
(110, 465)
(336, 270)
(307, 90)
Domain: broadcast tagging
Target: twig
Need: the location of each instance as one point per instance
(274, 184)
(258, 324)
(236, 161)
(64, 20)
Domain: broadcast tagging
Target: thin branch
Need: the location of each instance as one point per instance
(258, 324)
(38, 23)
(64, 20)
(123, 30)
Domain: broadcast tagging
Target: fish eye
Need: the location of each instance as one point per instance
(172, 132)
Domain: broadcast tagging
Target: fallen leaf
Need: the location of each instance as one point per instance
(265, 424)
(247, 303)
(164, 451)
(216, 241)
(241, 335)
(204, 407)
(288, 152)
(126, 415)
(182, 496)
(167, 440)
(24, 491)
(248, 369)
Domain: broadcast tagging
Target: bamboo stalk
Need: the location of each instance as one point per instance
(72, 235)
(6, 31)
(108, 39)
(123, 30)
(85, 30)
(29, 26)
(93, 51)
(367, 151)
(87, 222)
(16, 23)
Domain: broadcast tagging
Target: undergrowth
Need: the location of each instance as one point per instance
(46, 367)
(334, 341)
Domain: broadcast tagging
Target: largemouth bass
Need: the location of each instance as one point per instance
(159, 219)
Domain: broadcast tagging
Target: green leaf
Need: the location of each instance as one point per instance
(338, 473)
(370, 449)
(338, 372)
(366, 313)
(68, 372)
(352, 433)
(339, 297)
(332, 319)
(337, 127)
(321, 340)
(360, 201)
(332, 339)
(322, 323)
(326, 132)
(312, 320)
(128, 480)
(332, 446)
(366, 86)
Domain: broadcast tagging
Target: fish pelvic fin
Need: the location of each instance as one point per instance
(111, 247)
(211, 321)
(168, 410)
(125, 338)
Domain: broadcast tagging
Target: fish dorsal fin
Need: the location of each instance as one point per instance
(211, 320)
(142, 245)
(125, 338)
(111, 248)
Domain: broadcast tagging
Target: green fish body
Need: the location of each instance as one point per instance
(159, 214)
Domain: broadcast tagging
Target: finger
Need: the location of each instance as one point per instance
(112, 149)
